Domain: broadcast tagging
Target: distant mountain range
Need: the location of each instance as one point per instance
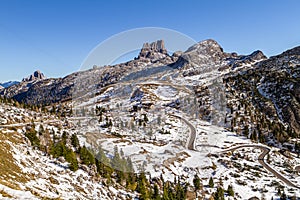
(8, 84)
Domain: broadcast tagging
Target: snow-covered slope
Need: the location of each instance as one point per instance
(174, 117)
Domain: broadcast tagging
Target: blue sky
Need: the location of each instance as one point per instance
(56, 36)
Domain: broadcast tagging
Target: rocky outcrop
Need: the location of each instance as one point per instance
(202, 57)
(36, 76)
(153, 51)
(239, 61)
(280, 83)
(37, 90)
(271, 86)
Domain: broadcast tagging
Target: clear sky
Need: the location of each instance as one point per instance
(55, 36)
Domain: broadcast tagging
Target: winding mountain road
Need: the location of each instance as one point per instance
(261, 157)
(27, 123)
(191, 140)
(261, 160)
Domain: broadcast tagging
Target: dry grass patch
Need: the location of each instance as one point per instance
(5, 194)
(10, 173)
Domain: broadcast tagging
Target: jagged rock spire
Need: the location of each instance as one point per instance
(152, 50)
(37, 75)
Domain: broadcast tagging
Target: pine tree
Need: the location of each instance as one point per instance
(230, 190)
(166, 193)
(72, 159)
(283, 196)
(116, 161)
(59, 149)
(103, 164)
(156, 195)
(64, 137)
(102, 157)
(180, 192)
(219, 194)
(196, 182)
(75, 141)
(142, 187)
(86, 156)
(119, 165)
(211, 182)
(278, 192)
(32, 136)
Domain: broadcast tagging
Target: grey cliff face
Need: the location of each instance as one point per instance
(37, 75)
(153, 51)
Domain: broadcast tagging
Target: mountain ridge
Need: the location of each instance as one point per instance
(8, 84)
(204, 57)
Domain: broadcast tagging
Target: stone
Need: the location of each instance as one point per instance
(61, 159)
(37, 75)
(154, 50)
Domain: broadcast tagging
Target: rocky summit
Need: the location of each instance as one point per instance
(36, 76)
(154, 51)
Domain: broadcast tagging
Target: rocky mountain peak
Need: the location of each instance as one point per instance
(157, 46)
(258, 55)
(203, 56)
(206, 46)
(292, 52)
(154, 50)
(37, 75)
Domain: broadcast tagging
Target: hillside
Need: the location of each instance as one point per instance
(200, 123)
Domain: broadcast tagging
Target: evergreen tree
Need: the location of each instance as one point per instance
(211, 182)
(196, 182)
(166, 194)
(72, 159)
(219, 194)
(75, 141)
(102, 157)
(180, 192)
(116, 161)
(119, 165)
(142, 187)
(64, 137)
(32, 136)
(156, 195)
(86, 156)
(283, 196)
(230, 190)
(59, 149)
(103, 164)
